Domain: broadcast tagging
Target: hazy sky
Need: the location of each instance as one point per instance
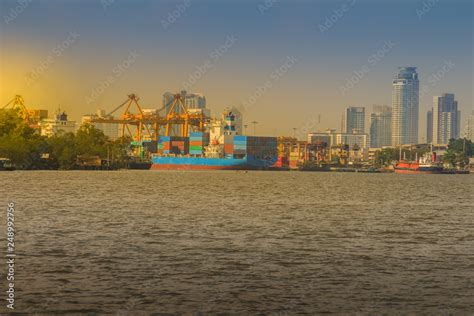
(84, 55)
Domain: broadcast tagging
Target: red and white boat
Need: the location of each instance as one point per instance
(425, 165)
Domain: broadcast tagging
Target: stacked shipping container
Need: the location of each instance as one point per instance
(228, 146)
(164, 143)
(173, 145)
(197, 142)
(256, 147)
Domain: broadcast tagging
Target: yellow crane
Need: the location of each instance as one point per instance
(140, 125)
(18, 103)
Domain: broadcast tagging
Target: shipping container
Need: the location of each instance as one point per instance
(240, 152)
(228, 139)
(164, 138)
(240, 138)
(195, 152)
(196, 142)
(199, 134)
(228, 148)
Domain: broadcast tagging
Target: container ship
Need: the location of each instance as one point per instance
(198, 152)
(426, 165)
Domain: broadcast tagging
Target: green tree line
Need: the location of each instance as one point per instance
(27, 149)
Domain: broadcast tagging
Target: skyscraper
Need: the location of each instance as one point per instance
(446, 119)
(191, 100)
(354, 120)
(429, 127)
(405, 104)
(470, 127)
(380, 126)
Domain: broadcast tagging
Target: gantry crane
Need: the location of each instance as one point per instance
(136, 124)
(178, 120)
(18, 103)
(178, 115)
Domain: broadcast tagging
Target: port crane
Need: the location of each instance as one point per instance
(148, 126)
(18, 103)
(30, 116)
(178, 115)
(133, 124)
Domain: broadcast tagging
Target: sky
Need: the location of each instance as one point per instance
(288, 64)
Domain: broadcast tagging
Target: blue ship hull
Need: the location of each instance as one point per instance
(202, 163)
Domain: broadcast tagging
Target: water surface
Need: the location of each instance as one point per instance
(142, 242)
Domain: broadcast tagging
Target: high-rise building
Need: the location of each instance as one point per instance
(405, 104)
(381, 126)
(195, 101)
(354, 120)
(446, 119)
(192, 101)
(470, 127)
(429, 127)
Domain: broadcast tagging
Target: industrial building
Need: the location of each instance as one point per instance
(50, 127)
(353, 147)
(333, 138)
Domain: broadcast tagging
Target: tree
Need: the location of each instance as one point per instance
(119, 152)
(459, 151)
(62, 154)
(19, 142)
(386, 156)
(25, 147)
(91, 141)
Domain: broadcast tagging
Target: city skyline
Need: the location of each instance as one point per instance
(316, 78)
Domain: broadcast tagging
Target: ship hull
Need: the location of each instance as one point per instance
(406, 167)
(201, 163)
(411, 171)
(199, 167)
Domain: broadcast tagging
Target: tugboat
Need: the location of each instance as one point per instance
(139, 164)
(425, 165)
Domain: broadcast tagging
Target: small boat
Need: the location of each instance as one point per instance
(425, 165)
(6, 165)
(139, 164)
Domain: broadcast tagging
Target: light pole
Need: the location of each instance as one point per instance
(254, 127)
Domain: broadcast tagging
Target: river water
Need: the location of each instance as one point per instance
(281, 243)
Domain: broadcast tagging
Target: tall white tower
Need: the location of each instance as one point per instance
(405, 106)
